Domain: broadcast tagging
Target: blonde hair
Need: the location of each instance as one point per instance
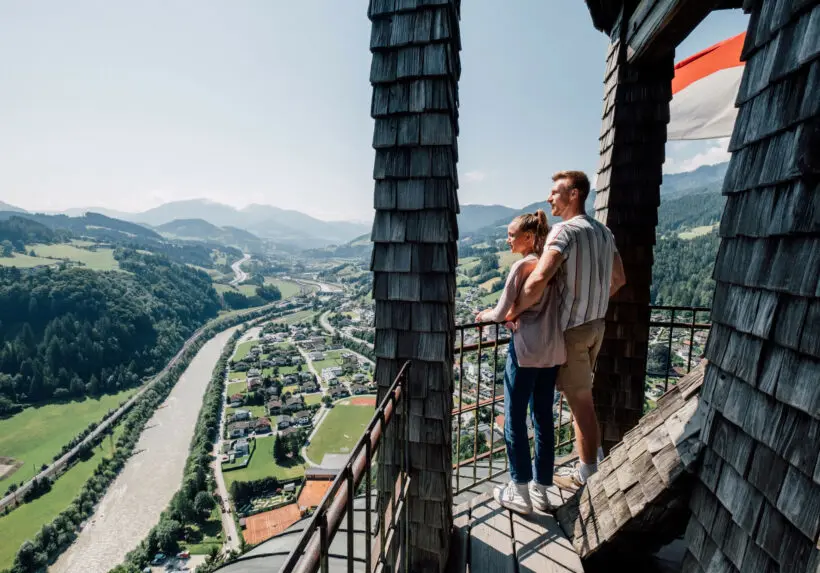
(535, 223)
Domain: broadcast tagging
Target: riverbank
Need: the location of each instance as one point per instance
(133, 503)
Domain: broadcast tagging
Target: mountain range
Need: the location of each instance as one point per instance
(251, 226)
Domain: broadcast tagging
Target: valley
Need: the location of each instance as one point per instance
(297, 391)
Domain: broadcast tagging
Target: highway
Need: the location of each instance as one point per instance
(240, 276)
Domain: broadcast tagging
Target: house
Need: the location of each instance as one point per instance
(254, 373)
(308, 387)
(253, 384)
(302, 417)
(240, 415)
(238, 429)
(349, 360)
(359, 378)
(289, 488)
(295, 359)
(306, 376)
(358, 389)
(290, 379)
(262, 426)
(289, 431)
(236, 400)
(274, 407)
(241, 447)
(255, 351)
(294, 404)
(283, 422)
(272, 391)
(316, 356)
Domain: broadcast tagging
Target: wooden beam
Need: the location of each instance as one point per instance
(658, 26)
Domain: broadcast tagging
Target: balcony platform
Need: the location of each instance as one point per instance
(487, 537)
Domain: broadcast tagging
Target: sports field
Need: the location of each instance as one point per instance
(340, 430)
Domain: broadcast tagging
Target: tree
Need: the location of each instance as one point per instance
(280, 451)
(204, 503)
(658, 359)
(168, 533)
(6, 248)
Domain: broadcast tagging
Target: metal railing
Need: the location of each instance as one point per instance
(384, 549)
(664, 322)
(476, 393)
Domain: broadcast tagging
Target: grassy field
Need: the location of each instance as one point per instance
(263, 465)
(287, 288)
(487, 285)
(311, 399)
(243, 349)
(340, 431)
(36, 434)
(211, 532)
(237, 388)
(24, 522)
(256, 411)
(506, 259)
(99, 260)
(296, 317)
(490, 299)
(332, 358)
(24, 261)
(697, 232)
(236, 376)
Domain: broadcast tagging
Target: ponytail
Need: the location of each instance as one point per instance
(535, 223)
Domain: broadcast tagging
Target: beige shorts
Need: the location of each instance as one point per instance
(583, 343)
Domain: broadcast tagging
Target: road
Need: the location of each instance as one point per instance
(240, 276)
(141, 492)
(327, 326)
(228, 524)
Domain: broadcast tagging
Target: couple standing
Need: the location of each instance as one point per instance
(556, 298)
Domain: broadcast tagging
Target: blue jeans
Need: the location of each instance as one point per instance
(534, 387)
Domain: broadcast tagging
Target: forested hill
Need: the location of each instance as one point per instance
(69, 332)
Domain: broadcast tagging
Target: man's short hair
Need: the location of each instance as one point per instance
(575, 180)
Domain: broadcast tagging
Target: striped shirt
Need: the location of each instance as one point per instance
(588, 248)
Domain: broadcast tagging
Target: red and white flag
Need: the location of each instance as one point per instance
(704, 91)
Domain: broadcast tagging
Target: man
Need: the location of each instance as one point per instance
(593, 273)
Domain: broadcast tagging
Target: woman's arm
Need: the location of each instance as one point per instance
(518, 274)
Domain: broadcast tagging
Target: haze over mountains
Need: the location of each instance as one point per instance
(201, 219)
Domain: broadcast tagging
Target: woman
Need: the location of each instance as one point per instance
(536, 351)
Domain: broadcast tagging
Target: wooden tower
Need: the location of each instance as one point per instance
(415, 71)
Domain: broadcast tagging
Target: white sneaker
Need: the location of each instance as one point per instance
(538, 496)
(514, 496)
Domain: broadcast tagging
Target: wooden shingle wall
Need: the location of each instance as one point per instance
(633, 133)
(638, 498)
(757, 506)
(415, 69)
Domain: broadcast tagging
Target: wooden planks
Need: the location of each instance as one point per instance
(491, 538)
(541, 546)
(488, 539)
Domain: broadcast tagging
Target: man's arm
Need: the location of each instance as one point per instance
(531, 292)
(618, 275)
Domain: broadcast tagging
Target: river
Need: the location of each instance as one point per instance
(133, 503)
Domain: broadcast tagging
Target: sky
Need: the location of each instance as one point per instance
(128, 105)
